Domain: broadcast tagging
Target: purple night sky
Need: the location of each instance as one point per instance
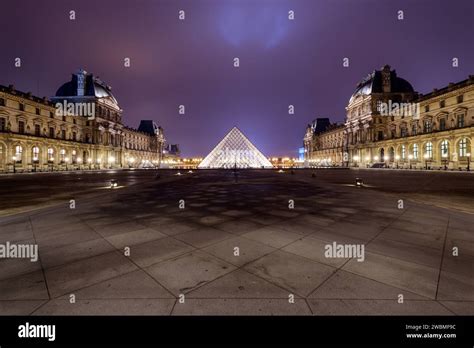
(282, 62)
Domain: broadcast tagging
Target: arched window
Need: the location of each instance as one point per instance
(444, 149)
(62, 155)
(18, 153)
(429, 150)
(35, 154)
(74, 156)
(464, 145)
(403, 152)
(415, 151)
(50, 155)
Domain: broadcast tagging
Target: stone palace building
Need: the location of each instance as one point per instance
(388, 124)
(79, 128)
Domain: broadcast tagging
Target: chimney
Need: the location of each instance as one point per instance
(386, 79)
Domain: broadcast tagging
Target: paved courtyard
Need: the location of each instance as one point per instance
(202, 243)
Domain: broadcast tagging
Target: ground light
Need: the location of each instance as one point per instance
(190, 172)
(178, 173)
(281, 171)
(358, 182)
(113, 183)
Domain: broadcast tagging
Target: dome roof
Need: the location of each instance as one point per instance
(373, 83)
(93, 87)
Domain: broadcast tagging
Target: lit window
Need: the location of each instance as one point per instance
(35, 152)
(415, 151)
(18, 153)
(50, 155)
(463, 147)
(403, 152)
(62, 155)
(444, 149)
(461, 120)
(429, 150)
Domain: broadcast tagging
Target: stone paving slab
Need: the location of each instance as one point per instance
(376, 307)
(242, 307)
(187, 272)
(108, 307)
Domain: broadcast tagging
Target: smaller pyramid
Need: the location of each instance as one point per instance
(235, 150)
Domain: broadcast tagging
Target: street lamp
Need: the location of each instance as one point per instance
(98, 162)
(89, 160)
(111, 160)
(397, 158)
(356, 159)
(79, 161)
(66, 160)
(14, 164)
(425, 156)
(376, 158)
(410, 157)
(468, 155)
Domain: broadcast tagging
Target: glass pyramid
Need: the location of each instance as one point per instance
(235, 151)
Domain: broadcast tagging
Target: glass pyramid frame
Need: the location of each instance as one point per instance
(235, 150)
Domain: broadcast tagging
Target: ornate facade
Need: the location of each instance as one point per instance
(79, 128)
(388, 124)
(324, 143)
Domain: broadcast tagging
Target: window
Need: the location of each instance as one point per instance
(21, 127)
(463, 147)
(427, 108)
(21, 107)
(379, 105)
(444, 149)
(442, 103)
(403, 132)
(74, 156)
(51, 132)
(38, 111)
(429, 150)
(442, 124)
(18, 153)
(2, 102)
(74, 136)
(3, 127)
(413, 129)
(403, 152)
(63, 133)
(460, 120)
(50, 155)
(74, 120)
(37, 130)
(460, 98)
(427, 126)
(51, 114)
(415, 151)
(62, 155)
(64, 118)
(35, 153)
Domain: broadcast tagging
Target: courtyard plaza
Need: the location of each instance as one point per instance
(181, 233)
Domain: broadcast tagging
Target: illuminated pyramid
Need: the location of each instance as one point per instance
(235, 150)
